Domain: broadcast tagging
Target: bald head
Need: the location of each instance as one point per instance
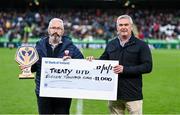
(56, 21)
(55, 30)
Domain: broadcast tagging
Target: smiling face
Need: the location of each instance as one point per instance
(124, 27)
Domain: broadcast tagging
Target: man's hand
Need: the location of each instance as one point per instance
(22, 67)
(90, 58)
(118, 69)
(66, 57)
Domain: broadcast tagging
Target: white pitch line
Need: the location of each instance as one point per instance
(79, 107)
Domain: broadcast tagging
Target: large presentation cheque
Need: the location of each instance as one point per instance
(78, 78)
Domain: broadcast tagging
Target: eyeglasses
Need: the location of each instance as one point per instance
(56, 28)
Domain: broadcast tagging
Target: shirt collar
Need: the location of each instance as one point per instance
(122, 43)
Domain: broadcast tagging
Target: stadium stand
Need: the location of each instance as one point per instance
(89, 24)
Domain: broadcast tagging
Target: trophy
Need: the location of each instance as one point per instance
(26, 56)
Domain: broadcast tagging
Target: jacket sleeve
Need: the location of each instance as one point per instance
(34, 66)
(105, 55)
(145, 65)
(77, 53)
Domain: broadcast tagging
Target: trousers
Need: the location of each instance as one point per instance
(133, 107)
(50, 105)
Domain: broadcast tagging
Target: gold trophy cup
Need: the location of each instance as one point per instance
(26, 56)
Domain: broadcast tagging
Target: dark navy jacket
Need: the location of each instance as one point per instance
(136, 58)
(41, 48)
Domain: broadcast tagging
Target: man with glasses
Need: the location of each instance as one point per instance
(55, 46)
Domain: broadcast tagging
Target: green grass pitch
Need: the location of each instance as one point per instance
(160, 87)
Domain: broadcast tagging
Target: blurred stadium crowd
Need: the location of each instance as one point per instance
(90, 23)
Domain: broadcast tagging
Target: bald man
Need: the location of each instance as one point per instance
(55, 46)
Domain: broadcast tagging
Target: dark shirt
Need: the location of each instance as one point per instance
(50, 51)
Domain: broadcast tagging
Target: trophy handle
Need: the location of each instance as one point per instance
(26, 74)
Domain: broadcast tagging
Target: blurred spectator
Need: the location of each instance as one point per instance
(1, 32)
(27, 32)
(91, 23)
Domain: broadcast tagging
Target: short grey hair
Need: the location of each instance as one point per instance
(56, 19)
(126, 17)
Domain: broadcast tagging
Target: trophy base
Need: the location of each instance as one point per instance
(21, 76)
